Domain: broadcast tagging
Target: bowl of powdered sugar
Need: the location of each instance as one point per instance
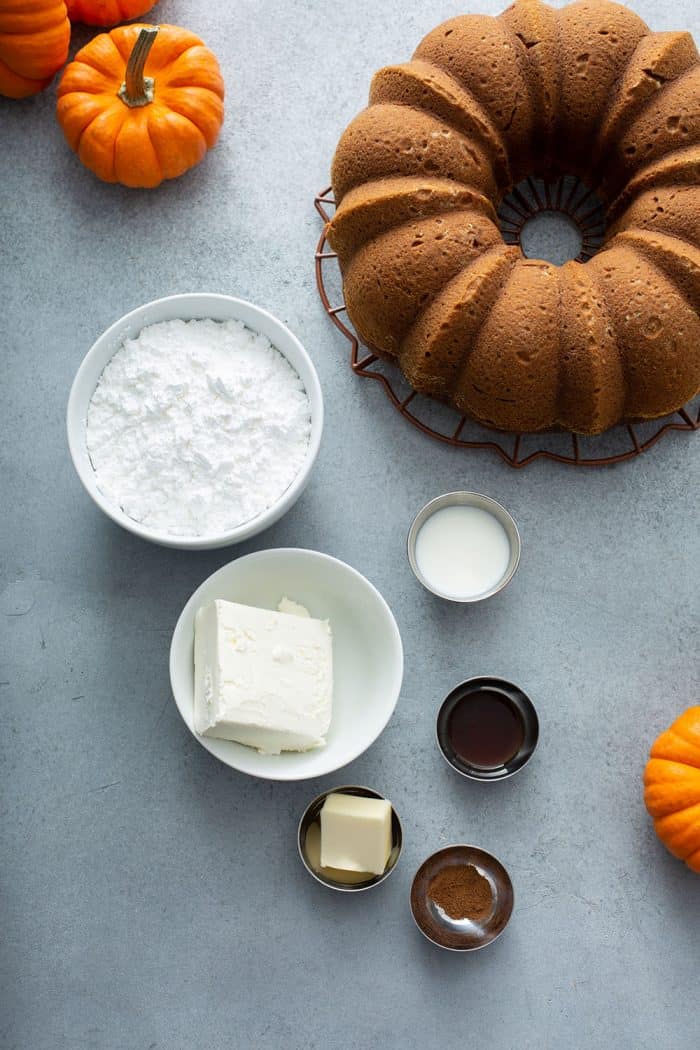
(195, 420)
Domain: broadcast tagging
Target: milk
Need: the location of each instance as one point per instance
(462, 551)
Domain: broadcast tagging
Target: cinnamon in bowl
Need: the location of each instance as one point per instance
(462, 892)
(461, 898)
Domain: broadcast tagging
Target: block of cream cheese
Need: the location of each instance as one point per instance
(355, 833)
(262, 678)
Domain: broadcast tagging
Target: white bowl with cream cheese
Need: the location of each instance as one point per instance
(184, 308)
(367, 654)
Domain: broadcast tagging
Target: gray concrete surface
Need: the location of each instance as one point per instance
(153, 898)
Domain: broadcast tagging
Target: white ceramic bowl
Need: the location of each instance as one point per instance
(189, 307)
(367, 654)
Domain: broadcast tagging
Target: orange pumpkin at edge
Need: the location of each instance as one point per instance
(672, 787)
(141, 104)
(106, 12)
(34, 43)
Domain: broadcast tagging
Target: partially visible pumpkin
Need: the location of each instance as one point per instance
(34, 38)
(106, 12)
(141, 104)
(672, 787)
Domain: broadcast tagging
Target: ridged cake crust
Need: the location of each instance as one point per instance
(516, 343)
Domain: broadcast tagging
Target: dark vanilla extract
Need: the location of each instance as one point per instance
(485, 729)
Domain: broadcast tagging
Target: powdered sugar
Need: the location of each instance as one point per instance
(196, 427)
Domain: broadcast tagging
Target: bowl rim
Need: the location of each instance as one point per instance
(487, 853)
(397, 660)
(465, 498)
(367, 793)
(532, 717)
(76, 415)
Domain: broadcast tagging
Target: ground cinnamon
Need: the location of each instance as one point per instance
(462, 892)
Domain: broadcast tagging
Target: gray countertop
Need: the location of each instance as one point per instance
(153, 898)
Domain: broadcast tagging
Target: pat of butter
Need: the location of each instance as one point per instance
(355, 833)
(262, 678)
(312, 847)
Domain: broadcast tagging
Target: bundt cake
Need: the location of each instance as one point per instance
(518, 343)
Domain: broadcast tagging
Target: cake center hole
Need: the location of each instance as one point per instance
(554, 220)
(551, 235)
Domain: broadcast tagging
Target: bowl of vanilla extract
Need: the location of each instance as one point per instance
(487, 729)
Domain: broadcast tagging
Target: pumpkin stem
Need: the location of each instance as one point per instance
(137, 90)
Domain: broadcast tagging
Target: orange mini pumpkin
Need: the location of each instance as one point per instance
(141, 104)
(106, 12)
(672, 787)
(34, 40)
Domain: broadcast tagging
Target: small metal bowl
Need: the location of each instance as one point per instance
(309, 843)
(462, 935)
(525, 708)
(466, 499)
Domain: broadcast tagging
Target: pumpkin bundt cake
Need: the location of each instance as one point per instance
(518, 343)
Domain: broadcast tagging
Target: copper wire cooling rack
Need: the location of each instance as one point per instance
(531, 197)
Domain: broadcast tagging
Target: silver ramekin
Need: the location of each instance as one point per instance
(462, 935)
(312, 815)
(525, 708)
(466, 499)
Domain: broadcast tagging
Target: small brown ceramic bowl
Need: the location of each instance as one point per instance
(309, 844)
(462, 935)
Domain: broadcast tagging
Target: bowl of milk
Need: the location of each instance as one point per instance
(464, 546)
